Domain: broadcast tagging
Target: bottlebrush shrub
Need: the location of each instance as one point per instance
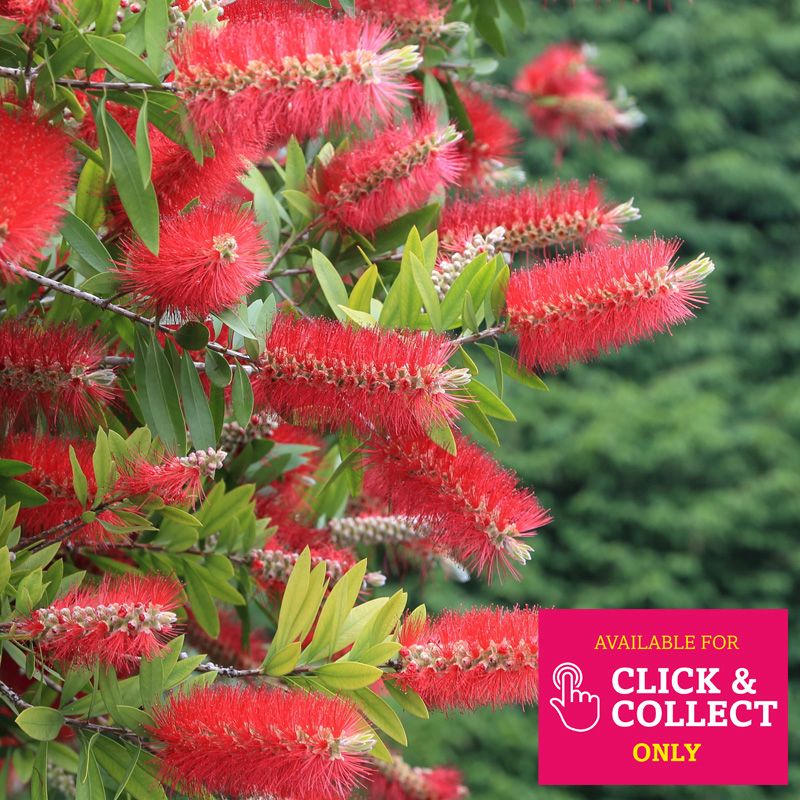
(572, 308)
(117, 623)
(54, 370)
(51, 475)
(479, 657)
(380, 178)
(475, 508)
(35, 181)
(259, 252)
(208, 260)
(400, 781)
(303, 71)
(567, 94)
(331, 375)
(248, 742)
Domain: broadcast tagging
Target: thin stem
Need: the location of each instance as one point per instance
(500, 92)
(126, 361)
(77, 83)
(489, 333)
(107, 305)
(64, 529)
(287, 245)
(20, 705)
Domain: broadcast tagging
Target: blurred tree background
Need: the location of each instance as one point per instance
(672, 468)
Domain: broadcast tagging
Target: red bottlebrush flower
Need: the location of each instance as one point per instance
(304, 71)
(533, 220)
(207, 261)
(484, 656)
(568, 94)
(178, 178)
(33, 14)
(573, 308)
(493, 142)
(322, 373)
(411, 20)
(381, 178)
(35, 182)
(116, 623)
(474, 507)
(52, 476)
(175, 480)
(55, 370)
(401, 781)
(248, 742)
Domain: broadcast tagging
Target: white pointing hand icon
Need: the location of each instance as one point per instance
(579, 711)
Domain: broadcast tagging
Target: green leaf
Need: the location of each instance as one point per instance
(89, 195)
(143, 154)
(443, 436)
(122, 61)
(514, 370)
(151, 681)
(102, 464)
(427, 291)
(339, 604)
(156, 32)
(192, 336)
(473, 413)
(380, 713)
(203, 606)
(122, 763)
(331, 283)
(347, 675)
(195, 406)
(487, 27)
(242, 396)
(89, 781)
(361, 296)
(402, 305)
(9, 467)
(139, 201)
(454, 299)
(285, 660)
(41, 722)
(291, 605)
(85, 242)
(300, 202)
(490, 403)
(79, 482)
(498, 292)
(408, 700)
(468, 318)
(218, 369)
(361, 319)
(162, 395)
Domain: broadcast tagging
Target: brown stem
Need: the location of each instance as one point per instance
(77, 83)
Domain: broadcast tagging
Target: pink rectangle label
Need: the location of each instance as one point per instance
(663, 697)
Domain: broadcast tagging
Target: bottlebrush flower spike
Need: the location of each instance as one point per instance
(273, 566)
(573, 308)
(304, 71)
(33, 14)
(372, 529)
(251, 742)
(379, 179)
(176, 480)
(484, 656)
(474, 507)
(494, 140)
(52, 476)
(116, 623)
(566, 93)
(321, 373)
(55, 370)
(401, 781)
(35, 182)
(533, 220)
(413, 20)
(207, 261)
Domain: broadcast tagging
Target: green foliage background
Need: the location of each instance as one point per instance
(673, 468)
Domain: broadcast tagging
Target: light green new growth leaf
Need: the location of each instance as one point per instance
(380, 714)
(347, 675)
(331, 283)
(79, 483)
